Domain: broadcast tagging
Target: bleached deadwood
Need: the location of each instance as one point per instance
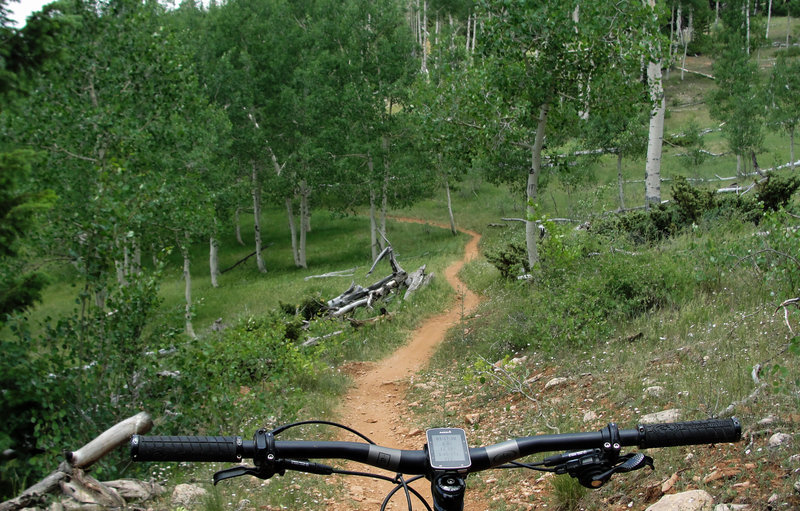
(34, 495)
(313, 341)
(697, 73)
(69, 471)
(416, 280)
(358, 296)
(340, 273)
(109, 440)
(88, 491)
(132, 489)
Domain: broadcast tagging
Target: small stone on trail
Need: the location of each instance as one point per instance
(654, 391)
(555, 382)
(694, 500)
(188, 495)
(780, 440)
(589, 416)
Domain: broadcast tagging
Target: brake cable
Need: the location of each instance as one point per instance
(267, 465)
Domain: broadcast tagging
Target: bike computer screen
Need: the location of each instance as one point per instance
(448, 449)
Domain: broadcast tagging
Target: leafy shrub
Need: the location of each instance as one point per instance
(98, 368)
(690, 202)
(777, 191)
(691, 206)
(511, 257)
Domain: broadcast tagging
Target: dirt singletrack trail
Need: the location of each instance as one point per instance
(376, 401)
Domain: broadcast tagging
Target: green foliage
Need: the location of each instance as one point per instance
(581, 292)
(738, 99)
(690, 202)
(690, 207)
(19, 287)
(511, 257)
(777, 190)
(567, 493)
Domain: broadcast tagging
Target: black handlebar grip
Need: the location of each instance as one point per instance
(186, 448)
(711, 431)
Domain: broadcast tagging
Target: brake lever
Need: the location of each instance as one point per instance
(230, 473)
(594, 470)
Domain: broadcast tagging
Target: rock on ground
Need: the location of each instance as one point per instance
(188, 495)
(672, 415)
(695, 500)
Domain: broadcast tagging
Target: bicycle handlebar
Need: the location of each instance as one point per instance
(415, 462)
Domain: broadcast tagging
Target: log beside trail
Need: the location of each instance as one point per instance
(357, 296)
(70, 478)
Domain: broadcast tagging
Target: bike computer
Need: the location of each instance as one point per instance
(448, 449)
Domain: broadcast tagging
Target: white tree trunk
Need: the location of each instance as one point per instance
(671, 36)
(469, 21)
(292, 230)
(620, 181)
(305, 223)
(137, 257)
(187, 278)
(747, 20)
(384, 192)
(769, 18)
(213, 260)
(532, 189)
(687, 36)
(237, 227)
(373, 225)
(257, 219)
(450, 208)
(424, 34)
(652, 173)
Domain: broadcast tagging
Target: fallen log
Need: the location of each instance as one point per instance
(357, 296)
(69, 471)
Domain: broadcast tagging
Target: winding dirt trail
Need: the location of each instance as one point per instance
(376, 402)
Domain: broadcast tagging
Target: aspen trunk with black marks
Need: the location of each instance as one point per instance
(655, 139)
(384, 191)
(687, 36)
(453, 229)
(424, 36)
(652, 173)
(373, 225)
(373, 222)
(532, 188)
(187, 279)
(213, 260)
(305, 223)
(237, 226)
(620, 181)
(137, 258)
(769, 18)
(671, 36)
(747, 22)
(257, 219)
(292, 230)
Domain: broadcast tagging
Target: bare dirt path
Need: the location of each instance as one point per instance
(376, 402)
